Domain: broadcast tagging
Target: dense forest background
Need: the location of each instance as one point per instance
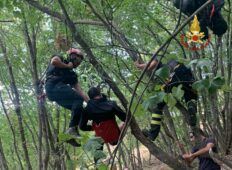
(112, 34)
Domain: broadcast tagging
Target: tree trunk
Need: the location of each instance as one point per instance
(16, 102)
(3, 163)
(13, 132)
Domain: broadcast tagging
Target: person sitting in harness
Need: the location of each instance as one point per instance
(62, 86)
(209, 17)
(102, 112)
(179, 75)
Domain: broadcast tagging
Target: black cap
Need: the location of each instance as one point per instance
(93, 92)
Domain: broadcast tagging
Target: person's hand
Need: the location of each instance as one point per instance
(188, 157)
(136, 63)
(70, 65)
(122, 125)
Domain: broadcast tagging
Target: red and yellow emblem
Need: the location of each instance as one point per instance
(194, 37)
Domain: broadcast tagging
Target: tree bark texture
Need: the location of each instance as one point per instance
(16, 102)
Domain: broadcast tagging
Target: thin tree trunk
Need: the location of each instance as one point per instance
(171, 127)
(228, 95)
(38, 85)
(3, 162)
(139, 155)
(16, 103)
(13, 132)
(31, 44)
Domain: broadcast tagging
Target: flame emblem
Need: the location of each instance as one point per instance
(195, 35)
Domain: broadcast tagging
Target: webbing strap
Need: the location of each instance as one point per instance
(212, 11)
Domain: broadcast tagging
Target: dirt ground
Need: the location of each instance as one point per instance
(151, 162)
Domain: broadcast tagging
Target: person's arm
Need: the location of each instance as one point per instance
(119, 112)
(203, 150)
(143, 65)
(80, 91)
(190, 157)
(56, 61)
(83, 122)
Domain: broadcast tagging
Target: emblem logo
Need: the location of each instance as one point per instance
(193, 38)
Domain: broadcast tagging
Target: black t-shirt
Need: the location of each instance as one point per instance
(65, 75)
(205, 161)
(100, 110)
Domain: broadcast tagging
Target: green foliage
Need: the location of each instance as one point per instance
(177, 92)
(202, 84)
(136, 21)
(170, 100)
(102, 167)
(163, 73)
(216, 84)
(93, 145)
(202, 62)
(160, 96)
(212, 85)
(152, 101)
(63, 137)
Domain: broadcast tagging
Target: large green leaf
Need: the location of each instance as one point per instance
(177, 92)
(154, 100)
(216, 84)
(201, 84)
(170, 100)
(93, 146)
(202, 62)
(163, 73)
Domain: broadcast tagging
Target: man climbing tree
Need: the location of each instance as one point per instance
(62, 86)
(179, 75)
(201, 151)
(209, 17)
(102, 112)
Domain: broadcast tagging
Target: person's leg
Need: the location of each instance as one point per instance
(69, 99)
(77, 110)
(155, 122)
(190, 97)
(218, 24)
(66, 97)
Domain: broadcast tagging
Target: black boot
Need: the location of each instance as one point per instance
(73, 131)
(152, 133)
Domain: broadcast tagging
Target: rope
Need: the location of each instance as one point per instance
(212, 11)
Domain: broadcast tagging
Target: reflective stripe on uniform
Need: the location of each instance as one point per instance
(154, 115)
(155, 122)
(176, 66)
